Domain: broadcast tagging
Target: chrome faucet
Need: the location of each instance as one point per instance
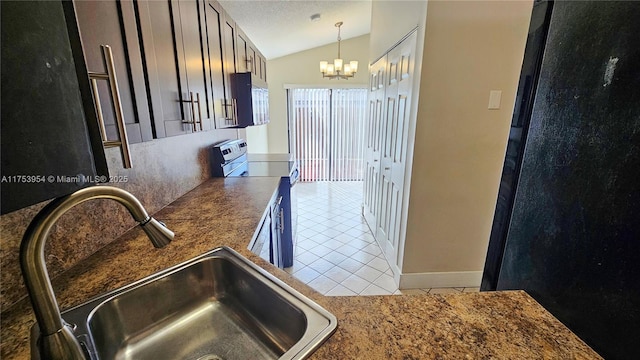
(56, 340)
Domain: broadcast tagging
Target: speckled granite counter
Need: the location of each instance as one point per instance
(507, 325)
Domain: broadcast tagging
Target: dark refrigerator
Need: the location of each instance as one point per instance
(566, 227)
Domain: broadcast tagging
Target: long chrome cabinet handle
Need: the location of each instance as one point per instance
(234, 104)
(192, 122)
(193, 112)
(233, 120)
(195, 120)
(199, 110)
(98, 105)
(111, 77)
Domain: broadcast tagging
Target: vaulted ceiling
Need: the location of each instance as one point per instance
(283, 27)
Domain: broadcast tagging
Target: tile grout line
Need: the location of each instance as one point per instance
(330, 221)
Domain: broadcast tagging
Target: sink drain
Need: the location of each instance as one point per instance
(210, 357)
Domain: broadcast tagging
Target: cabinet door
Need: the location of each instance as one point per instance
(242, 49)
(188, 23)
(113, 23)
(228, 68)
(175, 66)
(49, 129)
(252, 62)
(286, 235)
(160, 51)
(262, 245)
(262, 68)
(214, 17)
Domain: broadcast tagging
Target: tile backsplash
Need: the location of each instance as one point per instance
(163, 170)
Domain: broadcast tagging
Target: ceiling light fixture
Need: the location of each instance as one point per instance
(338, 70)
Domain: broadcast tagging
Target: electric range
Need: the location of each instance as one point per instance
(229, 158)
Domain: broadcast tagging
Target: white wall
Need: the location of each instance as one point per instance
(304, 68)
(391, 20)
(470, 48)
(257, 139)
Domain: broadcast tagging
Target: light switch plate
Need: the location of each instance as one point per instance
(494, 99)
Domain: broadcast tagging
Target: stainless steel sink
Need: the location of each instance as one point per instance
(217, 306)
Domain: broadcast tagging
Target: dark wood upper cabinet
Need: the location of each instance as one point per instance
(261, 65)
(229, 65)
(193, 63)
(251, 99)
(50, 134)
(172, 60)
(160, 63)
(189, 50)
(113, 23)
(242, 50)
(239, 56)
(174, 64)
(249, 58)
(252, 61)
(229, 46)
(213, 31)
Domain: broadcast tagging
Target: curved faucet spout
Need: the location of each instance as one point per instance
(56, 339)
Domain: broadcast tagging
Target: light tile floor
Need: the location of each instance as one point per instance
(335, 253)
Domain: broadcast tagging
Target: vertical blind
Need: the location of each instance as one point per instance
(326, 129)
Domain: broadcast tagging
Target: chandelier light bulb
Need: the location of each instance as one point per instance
(323, 66)
(354, 66)
(337, 63)
(347, 69)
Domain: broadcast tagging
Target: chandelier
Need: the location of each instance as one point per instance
(339, 69)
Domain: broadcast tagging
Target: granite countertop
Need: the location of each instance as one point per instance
(507, 325)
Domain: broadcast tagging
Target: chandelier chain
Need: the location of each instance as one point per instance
(338, 25)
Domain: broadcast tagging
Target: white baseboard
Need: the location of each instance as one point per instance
(440, 279)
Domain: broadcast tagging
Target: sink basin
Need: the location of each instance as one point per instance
(216, 306)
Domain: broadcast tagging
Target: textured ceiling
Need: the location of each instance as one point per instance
(283, 27)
